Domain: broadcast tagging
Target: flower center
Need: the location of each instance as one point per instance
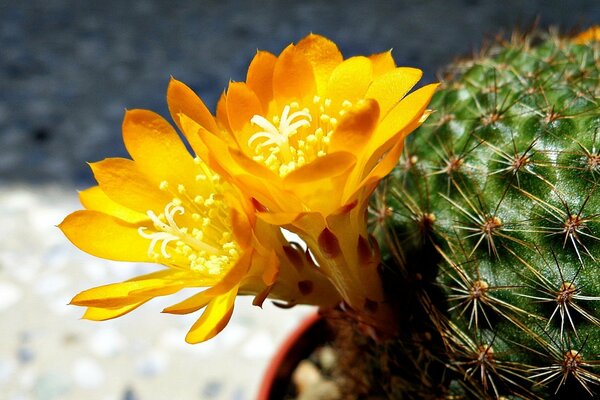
(202, 233)
(295, 137)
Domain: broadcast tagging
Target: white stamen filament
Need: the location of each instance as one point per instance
(172, 232)
(279, 135)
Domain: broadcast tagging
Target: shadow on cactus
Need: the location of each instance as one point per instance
(490, 230)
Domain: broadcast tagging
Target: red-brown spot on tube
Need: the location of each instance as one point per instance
(306, 287)
(329, 244)
(365, 252)
(371, 306)
(294, 256)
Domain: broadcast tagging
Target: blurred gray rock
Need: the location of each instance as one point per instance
(68, 69)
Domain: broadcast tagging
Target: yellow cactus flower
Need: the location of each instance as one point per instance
(308, 136)
(166, 207)
(590, 35)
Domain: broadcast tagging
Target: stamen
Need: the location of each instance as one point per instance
(288, 141)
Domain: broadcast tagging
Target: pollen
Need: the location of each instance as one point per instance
(194, 230)
(297, 135)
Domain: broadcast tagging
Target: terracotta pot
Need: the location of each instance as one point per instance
(309, 335)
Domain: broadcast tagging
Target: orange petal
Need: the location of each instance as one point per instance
(157, 149)
(260, 76)
(183, 100)
(95, 199)
(349, 80)
(104, 236)
(324, 56)
(328, 166)
(214, 318)
(103, 314)
(254, 168)
(390, 87)
(242, 105)
(293, 76)
(356, 127)
(222, 118)
(382, 63)
(126, 184)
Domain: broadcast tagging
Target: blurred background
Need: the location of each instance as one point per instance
(68, 70)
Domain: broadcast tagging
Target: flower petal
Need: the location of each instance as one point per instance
(229, 281)
(124, 182)
(328, 166)
(95, 199)
(389, 88)
(103, 314)
(260, 76)
(356, 128)
(222, 118)
(214, 318)
(406, 112)
(139, 289)
(382, 63)
(349, 80)
(293, 76)
(242, 105)
(324, 56)
(182, 100)
(157, 148)
(104, 236)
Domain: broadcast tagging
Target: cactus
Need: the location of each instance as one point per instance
(490, 232)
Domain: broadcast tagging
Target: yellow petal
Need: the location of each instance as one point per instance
(260, 76)
(103, 314)
(230, 280)
(214, 318)
(356, 128)
(293, 76)
(349, 80)
(242, 105)
(157, 149)
(407, 111)
(123, 181)
(191, 304)
(182, 100)
(95, 199)
(120, 294)
(382, 63)
(280, 219)
(390, 87)
(324, 56)
(104, 236)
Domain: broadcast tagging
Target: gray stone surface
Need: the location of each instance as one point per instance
(68, 68)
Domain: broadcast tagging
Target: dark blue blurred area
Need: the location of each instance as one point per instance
(68, 69)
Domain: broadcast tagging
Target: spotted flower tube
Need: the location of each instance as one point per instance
(166, 207)
(307, 137)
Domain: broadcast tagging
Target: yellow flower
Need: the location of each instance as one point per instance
(308, 136)
(590, 35)
(166, 207)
